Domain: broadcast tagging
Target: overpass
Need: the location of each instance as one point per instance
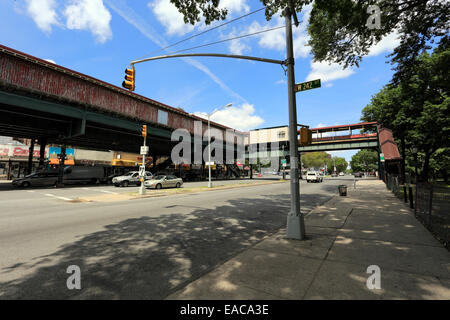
(342, 137)
(44, 101)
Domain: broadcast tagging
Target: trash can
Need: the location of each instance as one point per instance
(342, 190)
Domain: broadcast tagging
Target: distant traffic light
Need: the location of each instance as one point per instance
(144, 130)
(305, 136)
(130, 75)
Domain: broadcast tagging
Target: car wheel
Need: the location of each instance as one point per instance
(158, 186)
(25, 184)
(125, 184)
(138, 183)
(178, 184)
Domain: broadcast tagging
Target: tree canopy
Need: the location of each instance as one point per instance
(365, 160)
(320, 159)
(416, 109)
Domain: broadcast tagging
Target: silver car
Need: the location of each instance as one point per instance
(37, 179)
(162, 181)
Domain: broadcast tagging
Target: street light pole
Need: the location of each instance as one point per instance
(295, 222)
(209, 143)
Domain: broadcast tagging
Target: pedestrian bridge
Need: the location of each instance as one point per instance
(343, 137)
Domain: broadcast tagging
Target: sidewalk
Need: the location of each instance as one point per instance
(345, 236)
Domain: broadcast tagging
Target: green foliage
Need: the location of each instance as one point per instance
(320, 159)
(417, 108)
(365, 160)
(314, 159)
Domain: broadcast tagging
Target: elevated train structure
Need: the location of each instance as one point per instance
(53, 105)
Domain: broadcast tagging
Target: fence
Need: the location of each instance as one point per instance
(431, 204)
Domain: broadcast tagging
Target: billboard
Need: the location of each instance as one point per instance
(54, 153)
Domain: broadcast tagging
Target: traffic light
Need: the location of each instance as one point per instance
(305, 136)
(144, 130)
(130, 75)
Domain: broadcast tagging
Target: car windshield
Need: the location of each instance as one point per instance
(159, 177)
(31, 175)
(129, 173)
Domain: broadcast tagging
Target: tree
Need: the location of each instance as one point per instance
(338, 29)
(365, 160)
(315, 159)
(417, 108)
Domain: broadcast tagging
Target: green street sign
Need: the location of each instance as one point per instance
(283, 161)
(382, 157)
(307, 85)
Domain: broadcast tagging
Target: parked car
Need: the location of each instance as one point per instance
(341, 174)
(313, 176)
(334, 174)
(163, 181)
(131, 178)
(358, 174)
(37, 179)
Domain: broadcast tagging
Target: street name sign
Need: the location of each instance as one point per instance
(144, 150)
(307, 85)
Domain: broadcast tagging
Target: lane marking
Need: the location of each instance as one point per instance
(61, 198)
(30, 191)
(105, 191)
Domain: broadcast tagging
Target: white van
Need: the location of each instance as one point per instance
(312, 176)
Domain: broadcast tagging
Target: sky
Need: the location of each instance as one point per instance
(100, 38)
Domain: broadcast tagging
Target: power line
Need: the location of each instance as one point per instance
(229, 39)
(203, 32)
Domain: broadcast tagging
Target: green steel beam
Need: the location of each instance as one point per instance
(76, 113)
(340, 146)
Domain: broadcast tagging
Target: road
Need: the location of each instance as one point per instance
(135, 249)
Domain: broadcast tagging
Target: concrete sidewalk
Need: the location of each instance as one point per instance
(345, 236)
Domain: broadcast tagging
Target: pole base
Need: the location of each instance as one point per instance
(295, 227)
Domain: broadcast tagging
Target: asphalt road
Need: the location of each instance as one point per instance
(135, 249)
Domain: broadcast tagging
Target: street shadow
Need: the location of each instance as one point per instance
(150, 257)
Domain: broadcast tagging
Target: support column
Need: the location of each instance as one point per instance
(30, 157)
(42, 144)
(61, 166)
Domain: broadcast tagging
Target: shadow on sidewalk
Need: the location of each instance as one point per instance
(150, 257)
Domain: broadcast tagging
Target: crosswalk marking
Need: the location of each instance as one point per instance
(105, 191)
(61, 198)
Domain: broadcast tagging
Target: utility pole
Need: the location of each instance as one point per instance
(144, 151)
(295, 222)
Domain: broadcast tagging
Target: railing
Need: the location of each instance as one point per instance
(431, 203)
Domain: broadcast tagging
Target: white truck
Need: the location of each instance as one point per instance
(313, 176)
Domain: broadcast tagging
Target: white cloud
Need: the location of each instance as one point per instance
(387, 44)
(327, 72)
(43, 12)
(89, 15)
(281, 81)
(276, 39)
(168, 15)
(235, 6)
(241, 118)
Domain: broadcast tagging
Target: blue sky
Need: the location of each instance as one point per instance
(100, 38)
